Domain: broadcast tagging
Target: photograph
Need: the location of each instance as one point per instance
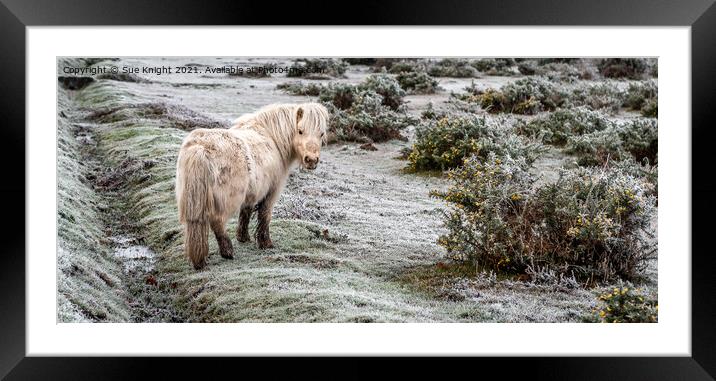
(357, 189)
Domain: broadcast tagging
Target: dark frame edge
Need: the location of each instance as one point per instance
(702, 365)
(703, 104)
(12, 120)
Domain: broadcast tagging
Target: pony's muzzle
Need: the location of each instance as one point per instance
(310, 161)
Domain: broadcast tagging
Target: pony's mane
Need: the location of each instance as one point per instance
(278, 121)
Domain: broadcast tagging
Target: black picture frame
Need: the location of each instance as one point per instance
(16, 15)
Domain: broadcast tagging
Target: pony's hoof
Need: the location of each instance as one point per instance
(226, 249)
(199, 265)
(265, 244)
(243, 239)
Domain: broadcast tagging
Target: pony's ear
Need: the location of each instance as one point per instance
(299, 114)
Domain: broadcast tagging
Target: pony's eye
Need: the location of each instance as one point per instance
(322, 133)
(300, 132)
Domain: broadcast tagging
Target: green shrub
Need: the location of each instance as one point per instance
(632, 68)
(561, 70)
(340, 95)
(640, 137)
(367, 119)
(589, 224)
(650, 109)
(387, 86)
(368, 112)
(527, 67)
(386, 64)
(360, 61)
(447, 140)
(299, 88)
(626, 304)
(603, 96)
(407, 67)
(525, 96)
(647, 172)
(451, 67)
(495, 66)
(318, 68)
(558, 126)
(545, 61)
(417, 82)
(636, 139)
(643, 96)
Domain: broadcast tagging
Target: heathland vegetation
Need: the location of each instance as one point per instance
(492, 189)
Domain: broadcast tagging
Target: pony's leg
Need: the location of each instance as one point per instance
(242, 232)
(226, 249)
(263, 237)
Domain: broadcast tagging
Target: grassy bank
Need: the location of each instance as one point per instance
(89, 279)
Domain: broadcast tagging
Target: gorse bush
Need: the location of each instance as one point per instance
(361, 61)
(417, 82)
(528, 67)
(546, 61)
(642, 96)
(299, 88)
(495, 66)
(525, 96)
(650, 108)
(407, 67)
(640, 137)
(603, 96)
(558, 126)
(636, 139)
(563, 72)
(367, 119)
(340, 95)
(369, 111)
(318, 68)
(387, 64)
(451, 67)
(445, 142)
(632, 68)
(649, 173)
(626, 304)
(589, 224)
(559, 70)
(387, 86)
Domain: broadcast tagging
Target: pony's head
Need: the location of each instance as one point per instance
(311, 125)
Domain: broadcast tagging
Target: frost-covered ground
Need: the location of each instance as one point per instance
(355, 239)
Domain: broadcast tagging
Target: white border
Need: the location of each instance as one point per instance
(671, 336)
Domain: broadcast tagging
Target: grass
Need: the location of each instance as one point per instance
(488, 297)
(89, 279)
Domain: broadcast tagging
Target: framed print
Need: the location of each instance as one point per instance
(434, 182)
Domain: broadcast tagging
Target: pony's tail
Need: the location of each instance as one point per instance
(195, 201)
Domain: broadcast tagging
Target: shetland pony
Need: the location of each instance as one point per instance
(243, 168)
